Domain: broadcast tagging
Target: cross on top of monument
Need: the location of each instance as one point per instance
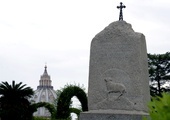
(121, 13)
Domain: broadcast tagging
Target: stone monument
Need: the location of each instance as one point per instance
(118, 75)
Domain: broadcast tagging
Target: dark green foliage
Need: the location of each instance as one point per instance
(63, 104)
(48, 106)
(159, 72)
(58, 92)
(75, 110)
(15, 105)
(159, 107)
(14, 101)
(40, 118)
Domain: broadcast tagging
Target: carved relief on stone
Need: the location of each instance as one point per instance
(116, 88)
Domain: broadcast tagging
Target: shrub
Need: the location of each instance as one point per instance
(159, 107)
(40, 118)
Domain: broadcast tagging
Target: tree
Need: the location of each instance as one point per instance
(14, 101)
(159, 72)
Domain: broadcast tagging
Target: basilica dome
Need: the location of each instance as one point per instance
(44, 93)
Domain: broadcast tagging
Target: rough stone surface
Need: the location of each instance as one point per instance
(112, 115)
(118, 73)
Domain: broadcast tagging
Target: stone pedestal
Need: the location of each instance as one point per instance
(112, 115)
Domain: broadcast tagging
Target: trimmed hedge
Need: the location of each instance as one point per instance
(48, 106)
(63, 110)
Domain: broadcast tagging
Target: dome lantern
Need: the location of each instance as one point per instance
(45, 81)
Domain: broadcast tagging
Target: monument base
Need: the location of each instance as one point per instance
(112, 115)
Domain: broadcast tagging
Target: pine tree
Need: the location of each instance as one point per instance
(159, 72)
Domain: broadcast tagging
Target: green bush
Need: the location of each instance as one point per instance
(64, 100)
(159, 107)
(40, 118)
(48, 106)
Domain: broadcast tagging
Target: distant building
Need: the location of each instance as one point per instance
(44, 93)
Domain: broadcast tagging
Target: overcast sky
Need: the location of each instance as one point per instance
(59, 33)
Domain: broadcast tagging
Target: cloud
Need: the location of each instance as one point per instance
(59, 33)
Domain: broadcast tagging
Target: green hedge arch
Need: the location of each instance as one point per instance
(75, 110)
(63, 104)
(48, 106)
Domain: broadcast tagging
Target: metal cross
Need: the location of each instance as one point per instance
(121, 13)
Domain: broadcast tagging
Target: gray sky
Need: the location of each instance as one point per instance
(59, 32)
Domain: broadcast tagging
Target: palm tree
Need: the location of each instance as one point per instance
(14, 101)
